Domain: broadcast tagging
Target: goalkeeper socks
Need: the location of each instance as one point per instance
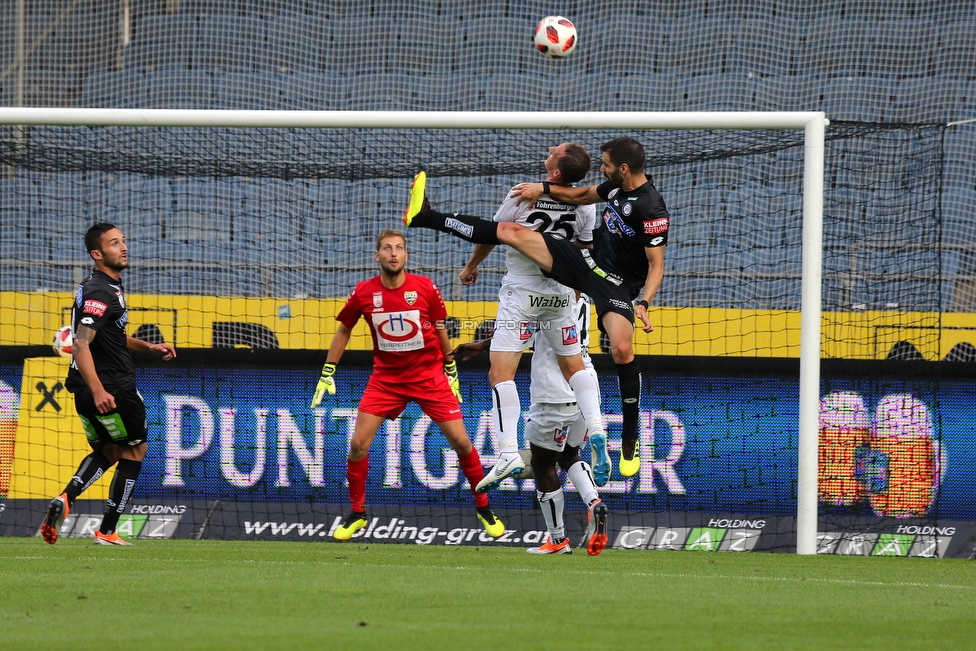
(579, 473)
(630, 386)
(505, 416)
(471, 467)
(587, 395)
(92, 467)
(467, 227)
(356, 472)
(552, 504)
(126, 473)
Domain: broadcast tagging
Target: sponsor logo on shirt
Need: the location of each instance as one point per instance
(558, 301)
(87, 320)
(570, 335)
(121, 299)
(526, 330)
(655, 226)
(410, 297)
(377, 299)
(79, 295)
(95, 307)
(628, 209)
(398, 331)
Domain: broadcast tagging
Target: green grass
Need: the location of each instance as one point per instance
(257, 595)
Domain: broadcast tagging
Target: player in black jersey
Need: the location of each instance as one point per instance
(627, 255)
(103, 379)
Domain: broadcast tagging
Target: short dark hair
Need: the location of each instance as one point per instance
(389, 233)
(625, 150)
(93, 238)
(574, 164)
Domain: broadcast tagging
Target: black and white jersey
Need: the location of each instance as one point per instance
(562, 220)
(100, 305)
(631, 221)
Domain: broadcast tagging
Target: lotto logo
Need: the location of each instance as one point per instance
(95, 307)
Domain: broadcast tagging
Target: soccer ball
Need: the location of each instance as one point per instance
(63, 340)
(555, 36)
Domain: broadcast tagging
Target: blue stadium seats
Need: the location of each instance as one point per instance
(293, 42)
(651, 92)
(152, 52)
(857, 98)
(763, 47)
(175, 88)
(249, 91)
(205, 7)
(321, 91)
(696, 46)
(112, 90)
(956, 49)
(230, 54)
(713, 93)
(802, 92)
(606, 54)
(899, 48)
(834, 46)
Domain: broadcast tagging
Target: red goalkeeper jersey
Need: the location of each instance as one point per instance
(402, 322)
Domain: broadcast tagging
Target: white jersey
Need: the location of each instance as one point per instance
(547, 216)
(547, 384)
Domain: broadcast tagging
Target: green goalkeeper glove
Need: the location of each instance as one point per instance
(450, 370)
(326, 384)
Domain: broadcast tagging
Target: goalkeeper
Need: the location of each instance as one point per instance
(411, 362)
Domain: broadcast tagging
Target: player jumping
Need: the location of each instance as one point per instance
(628, 254)
(405, 314)
(531, 304)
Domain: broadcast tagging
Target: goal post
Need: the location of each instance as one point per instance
(811, 124)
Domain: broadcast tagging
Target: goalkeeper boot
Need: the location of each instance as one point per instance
(493, 526)
(598, 521)
(109, 539)
(551, 547)
(418, 198)
(353, 523)
(57, 511)
(510, 465)
(599, 459)
(629, 458)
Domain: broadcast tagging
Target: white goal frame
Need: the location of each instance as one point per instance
(813, 124)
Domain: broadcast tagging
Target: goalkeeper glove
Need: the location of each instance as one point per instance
(326, 384)
(450, 370)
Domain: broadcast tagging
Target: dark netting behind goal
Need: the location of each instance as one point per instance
(252, 238)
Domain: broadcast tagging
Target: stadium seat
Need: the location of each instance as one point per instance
(728, 92)
(229, 54)
(248, 90)
(149, 53)
(293, 42)
(763, 47)
(189, 89)
(899, 48)
(424, 46)
(607, 57)
(955, 49)
(800, 93)
(315, 91)
(834, 46)
(857, 98)
(647, 92)
(696, 46)
(491, 45)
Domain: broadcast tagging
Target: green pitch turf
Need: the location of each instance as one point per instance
(258, 595)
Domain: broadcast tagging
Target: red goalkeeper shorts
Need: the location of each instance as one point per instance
(388, 397)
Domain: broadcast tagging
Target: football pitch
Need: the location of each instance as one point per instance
(179, 594)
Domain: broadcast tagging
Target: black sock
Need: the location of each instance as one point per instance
(628, 375)
(467, 227)
(126, 473)
(92, 467)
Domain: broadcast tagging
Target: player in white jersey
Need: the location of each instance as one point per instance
(530, 304)
(556, 430)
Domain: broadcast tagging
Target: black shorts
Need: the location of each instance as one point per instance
(574, 267)
(126, 425)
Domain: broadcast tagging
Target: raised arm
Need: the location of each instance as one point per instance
(469, 275)
(531, 192)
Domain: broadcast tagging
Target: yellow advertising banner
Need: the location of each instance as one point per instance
(50, 441)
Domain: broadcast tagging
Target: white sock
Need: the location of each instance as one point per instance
(582, 477)
(552, 504)
(505, 416)
(587, 394)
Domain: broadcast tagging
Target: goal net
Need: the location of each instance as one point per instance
(252, 237)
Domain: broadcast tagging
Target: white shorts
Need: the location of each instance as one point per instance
(527, 308)
(552, 426)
